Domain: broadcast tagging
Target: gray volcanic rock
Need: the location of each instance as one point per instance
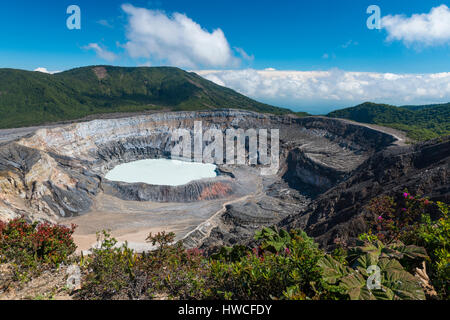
(306, 172)
(205, 189)
(240, 221)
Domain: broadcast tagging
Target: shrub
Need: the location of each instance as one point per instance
(435, 237)
(396, 220)
(284, 266)
(416, 220)
(119, 272)
(34, 246)
(110, 269)
(353, 278)
(180, 274)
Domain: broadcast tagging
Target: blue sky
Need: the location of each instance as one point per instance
(318, 36)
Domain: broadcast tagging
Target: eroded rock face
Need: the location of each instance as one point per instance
(58, 172)
(206, 189)
(422, 169)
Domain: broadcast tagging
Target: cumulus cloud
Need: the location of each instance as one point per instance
(428, 29)
(44, 70)
(101, 52)
(322, 91)
(176, 40)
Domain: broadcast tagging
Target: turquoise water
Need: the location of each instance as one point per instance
(161, 172)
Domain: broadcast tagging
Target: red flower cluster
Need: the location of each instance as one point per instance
(43, 241)
(2, 226)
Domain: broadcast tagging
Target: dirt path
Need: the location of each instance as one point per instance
(204, 230)
(400, 136)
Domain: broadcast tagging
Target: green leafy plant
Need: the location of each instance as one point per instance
(435, 236)
(284, 266)
(395, 281)
(416, 220)
(273, 240)
(120, 273)
(110, 266)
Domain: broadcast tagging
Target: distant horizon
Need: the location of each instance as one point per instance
(317, 109)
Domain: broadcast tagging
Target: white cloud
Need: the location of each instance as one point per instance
(321, 91)
(428, 29)
(349, 43)
(101, 52)
(176, 40)
(105, 23)
(145, 64)
(244, 54)
(44, 70)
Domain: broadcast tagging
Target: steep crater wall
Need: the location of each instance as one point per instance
(59, 171)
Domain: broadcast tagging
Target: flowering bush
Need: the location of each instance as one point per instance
(29, 245)
(397, 218)
(2, 226)
(416, 220)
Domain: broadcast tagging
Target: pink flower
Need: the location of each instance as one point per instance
(406, 194)
(380, 218)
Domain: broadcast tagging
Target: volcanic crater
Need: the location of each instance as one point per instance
(57, 174)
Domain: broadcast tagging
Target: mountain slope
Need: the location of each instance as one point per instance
(420, 122)
(31, 98)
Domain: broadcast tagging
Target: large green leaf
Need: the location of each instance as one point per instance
(365, 261)
(404, 285)
(401, 282)
(333, 270)
(273, 240)
(365, 248)
(356, 287)
(399, 250)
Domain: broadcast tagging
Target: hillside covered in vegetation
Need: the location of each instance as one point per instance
(33, 98)
(419, 122)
